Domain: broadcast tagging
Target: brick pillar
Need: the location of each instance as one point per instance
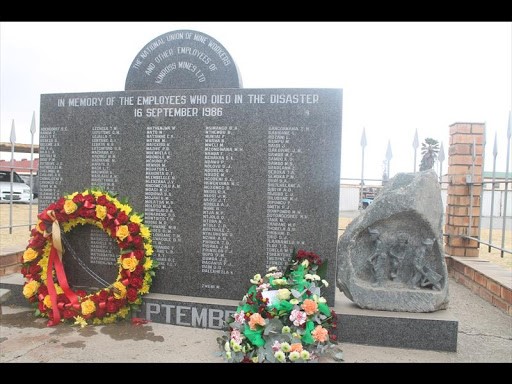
(460, 160)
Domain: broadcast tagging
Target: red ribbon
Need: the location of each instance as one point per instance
(55, 261)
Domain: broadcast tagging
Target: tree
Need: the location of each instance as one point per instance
(429, 152)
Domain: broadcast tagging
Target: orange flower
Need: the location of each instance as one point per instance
(320, 334)
(309, 306)
(296, 347)
(256, 319)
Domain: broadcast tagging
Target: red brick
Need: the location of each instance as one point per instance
(453, 251)
(472, 252)
(460, 138)
(469, 272)
(459, 149)
(460, 160)
(493, 287)
(478, 128)
(480, 279)
(459, 267)
(460, 221)
(456, 241)
(497, 302)
(506, 294)
(457, 170)
(485, 294)
(460, 128)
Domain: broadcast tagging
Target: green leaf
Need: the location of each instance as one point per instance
(254, 336)
(324, 308)
(307, 338)
(322, 270)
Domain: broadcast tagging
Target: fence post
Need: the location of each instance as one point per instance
(465, 174)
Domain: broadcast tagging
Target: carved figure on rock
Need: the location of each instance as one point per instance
(423, 275)
(397, 254)
(378, 258)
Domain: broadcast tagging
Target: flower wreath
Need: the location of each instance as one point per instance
(46, 285)
(282, 318)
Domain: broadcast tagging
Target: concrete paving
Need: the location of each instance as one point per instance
(484, 336)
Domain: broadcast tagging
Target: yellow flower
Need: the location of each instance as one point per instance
(119, 290)
(122, 232)
(47, 301)
(96, 321)
(101, 211)
(135, 219)
(283, 294)
(255, 359)
(144, 231)
(123, 312)
(29, 255)
(304, 354)
(126, 208)
(148, 264)
(285, 347)
(109, 319)
(88, 307)
(79, 320)
(58, 289)
(130, 263)
(285, 329)
(144, 289)
(30, 288)
(149, 249)
(70, 197)
(70, 206)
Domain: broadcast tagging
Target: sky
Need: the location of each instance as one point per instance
(396, 77)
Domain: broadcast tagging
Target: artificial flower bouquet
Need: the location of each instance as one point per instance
(283, 317)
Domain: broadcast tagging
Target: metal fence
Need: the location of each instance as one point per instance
(351, 190)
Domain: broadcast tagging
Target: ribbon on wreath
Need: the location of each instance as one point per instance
(55, 261)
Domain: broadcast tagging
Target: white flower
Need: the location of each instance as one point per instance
(240, 317)
(325, 283)
(283, 294)
(272, 269)
(294, 356)
(305, 263)
(226, 347)
(298, 317)
(256, 279)
(304, 354)
(263, 287)
(280, 356)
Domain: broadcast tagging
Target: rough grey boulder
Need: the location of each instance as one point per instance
(391, 256)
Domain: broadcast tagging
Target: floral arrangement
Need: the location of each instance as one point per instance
(46, 284)
(283, 317)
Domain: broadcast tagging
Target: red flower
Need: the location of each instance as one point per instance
(78, 199)
(122, 218)
(100, 313)
(102, 200)
(131, 294)
(138, 242)
(139, 270)
(111, 307)
(68, 314)
(133, 228)
(136, 282)
(81, 292)
(89, 199)
(37, 241)
(138, 253)
(111, 209)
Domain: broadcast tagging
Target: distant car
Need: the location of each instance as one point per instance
(20, 190)
(35, 183)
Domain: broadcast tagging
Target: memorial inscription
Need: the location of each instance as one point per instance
(229, 180)
(183, 59)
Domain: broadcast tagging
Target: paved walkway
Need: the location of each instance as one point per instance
(485, 336)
